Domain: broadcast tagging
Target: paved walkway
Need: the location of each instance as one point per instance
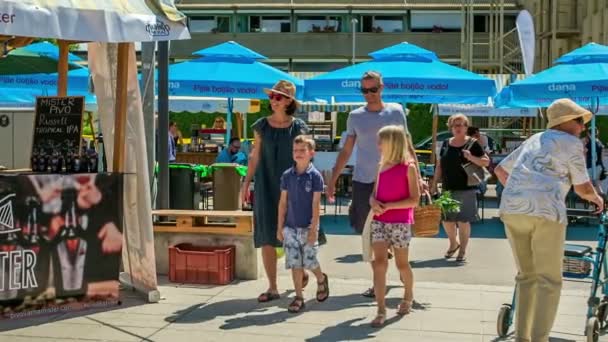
(444, 312)
(455, 302)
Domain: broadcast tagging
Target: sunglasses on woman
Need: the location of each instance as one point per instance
(275, 96)
(369, 90)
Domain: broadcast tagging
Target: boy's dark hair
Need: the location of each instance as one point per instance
(472, 130)
(171, 123)
(233, 139)
(302, 139)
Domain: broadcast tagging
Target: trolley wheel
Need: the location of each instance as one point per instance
(502, 323)
(602, 313)
(592, 331)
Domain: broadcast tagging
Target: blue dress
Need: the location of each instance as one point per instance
(276, 156)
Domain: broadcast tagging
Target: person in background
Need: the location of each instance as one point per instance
(172, 145)
(271, 156)
(599, 163)
(483, 140)
(298, 221)
(232, 154)
(456, 152)
(537, 177)
(219, 123)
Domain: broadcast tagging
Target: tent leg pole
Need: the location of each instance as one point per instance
(121, 107)
(62, 68)
(434, 134)
(120, 123)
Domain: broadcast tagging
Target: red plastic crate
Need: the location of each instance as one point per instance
(201, 264)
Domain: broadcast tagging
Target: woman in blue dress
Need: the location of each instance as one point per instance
(271, 156)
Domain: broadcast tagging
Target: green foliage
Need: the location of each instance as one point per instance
(420, 121)
(447, 203)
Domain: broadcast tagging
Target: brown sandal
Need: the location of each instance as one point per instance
(296, 305)
(268, 297)
(323, 289)
(405, 307)
(378, 322)
(450, 253)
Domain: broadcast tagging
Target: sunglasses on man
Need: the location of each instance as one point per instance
(372, 90)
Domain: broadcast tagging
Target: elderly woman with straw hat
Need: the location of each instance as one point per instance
(271, 156)
(537, 177)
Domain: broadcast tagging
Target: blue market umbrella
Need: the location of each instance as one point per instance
(17, 91)
(411, 74)
(227, 70)
(581, 75)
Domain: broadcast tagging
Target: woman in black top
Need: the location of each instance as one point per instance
(450, 172)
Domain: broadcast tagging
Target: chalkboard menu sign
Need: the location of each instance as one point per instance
(57, 134)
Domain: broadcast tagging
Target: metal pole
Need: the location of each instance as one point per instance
(463, 36)
(553, 30)
(147, 89)
(354, 23)
(163, 125)
(501, 23)
(471, 34)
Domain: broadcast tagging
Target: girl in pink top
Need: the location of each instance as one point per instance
(395, 196)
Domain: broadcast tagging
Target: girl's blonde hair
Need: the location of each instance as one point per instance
(398, 143)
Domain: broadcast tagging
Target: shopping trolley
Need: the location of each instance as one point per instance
(580, 262)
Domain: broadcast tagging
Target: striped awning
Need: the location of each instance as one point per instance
(112, 21)
(501, 80)
(328, 107)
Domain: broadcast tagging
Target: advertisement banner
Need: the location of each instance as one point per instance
(60, 242)
(527, 40)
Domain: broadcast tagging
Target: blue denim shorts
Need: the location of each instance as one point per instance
(298, 253)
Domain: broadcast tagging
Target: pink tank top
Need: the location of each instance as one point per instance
(394, 186)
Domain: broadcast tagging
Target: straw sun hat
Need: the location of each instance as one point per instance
(284, 88)
(564, 110)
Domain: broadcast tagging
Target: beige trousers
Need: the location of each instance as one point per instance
(538, 248)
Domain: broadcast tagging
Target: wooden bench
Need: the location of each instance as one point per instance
(200, 227)
(201, 222)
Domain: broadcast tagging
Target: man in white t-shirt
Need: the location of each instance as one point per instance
(537, 177)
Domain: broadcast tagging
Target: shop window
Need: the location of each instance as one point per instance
(210, 24)
(386, 24)
(269, 24)
(319, 24)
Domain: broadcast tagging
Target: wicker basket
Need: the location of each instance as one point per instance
(427, 219)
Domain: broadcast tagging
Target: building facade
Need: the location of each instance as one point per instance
(563, 25)
(317, 35)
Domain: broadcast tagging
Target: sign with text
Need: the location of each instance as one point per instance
(60, 242)
(58, 126)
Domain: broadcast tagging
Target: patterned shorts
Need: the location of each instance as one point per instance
(397, 235)
(298, 253)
